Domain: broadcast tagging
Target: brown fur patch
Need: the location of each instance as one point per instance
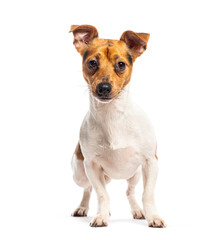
(156, 153)
(83, 34)
(107, 53)
(137, 42)
(78, 152)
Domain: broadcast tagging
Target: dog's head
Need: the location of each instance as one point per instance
(107, 64)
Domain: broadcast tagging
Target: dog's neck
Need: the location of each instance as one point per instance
(115, 109)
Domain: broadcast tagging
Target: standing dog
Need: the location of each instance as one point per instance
(116, 138)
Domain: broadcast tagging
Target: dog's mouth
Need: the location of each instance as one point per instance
(103, 99)
(106, 99)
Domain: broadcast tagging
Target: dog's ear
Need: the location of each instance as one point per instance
(136, 42)
(83, 35)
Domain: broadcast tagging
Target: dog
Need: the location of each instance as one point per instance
(117, 140)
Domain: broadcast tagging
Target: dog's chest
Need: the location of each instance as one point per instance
(116, 134)
(117, 149)
(119, 163)
(117, 140)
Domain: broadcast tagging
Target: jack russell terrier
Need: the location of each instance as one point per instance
(116, 138)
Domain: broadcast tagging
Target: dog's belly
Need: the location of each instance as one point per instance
(120, 163)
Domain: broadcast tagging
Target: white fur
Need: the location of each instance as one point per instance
(117, 139)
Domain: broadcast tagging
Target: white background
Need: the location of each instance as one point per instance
(43, 99)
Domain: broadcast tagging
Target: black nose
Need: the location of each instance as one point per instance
(104, 89)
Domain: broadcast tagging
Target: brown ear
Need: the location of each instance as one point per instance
(136, 42)
(83, 35)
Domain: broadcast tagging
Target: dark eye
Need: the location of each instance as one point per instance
(120, 66)
(92, 64)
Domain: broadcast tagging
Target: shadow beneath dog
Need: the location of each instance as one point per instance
(87, 220)
(141, 222)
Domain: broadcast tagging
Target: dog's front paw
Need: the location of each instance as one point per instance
(99, 221)
(138, 214)
(80, 212)
(156, 222)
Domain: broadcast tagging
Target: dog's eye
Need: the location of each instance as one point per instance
(92, 64)
(120, 66)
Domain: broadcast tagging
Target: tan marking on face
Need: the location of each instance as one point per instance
(107, 53)
(78, 152)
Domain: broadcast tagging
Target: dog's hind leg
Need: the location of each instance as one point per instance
(83, 208)
(81, 179)
(136, 210)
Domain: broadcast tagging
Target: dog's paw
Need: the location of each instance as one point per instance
(138, 214)
(80, 212)
(156, 222)
(99, 221)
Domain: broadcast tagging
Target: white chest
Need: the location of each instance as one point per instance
(118, 136)
(115, 146)
(120, 163)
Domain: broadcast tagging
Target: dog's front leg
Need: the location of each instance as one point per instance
(149, 173)
(96, 177)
